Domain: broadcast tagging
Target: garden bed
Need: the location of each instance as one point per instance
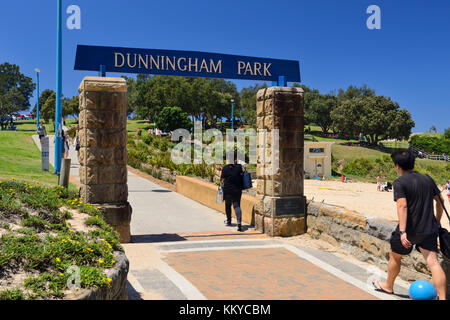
(55, 246)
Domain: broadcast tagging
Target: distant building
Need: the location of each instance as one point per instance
(317, 159)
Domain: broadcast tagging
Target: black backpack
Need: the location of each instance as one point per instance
(444, 235)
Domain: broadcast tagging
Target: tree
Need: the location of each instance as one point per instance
(47, 103)
(320, 109)
(172, 118)
(8, 106)
(346, 117)
(401, 125)
(447, 133)
(15, 91)
(310, 95)
(355, 92)
(48, 106)
(248, 103)
(375, 117)
(71, 106)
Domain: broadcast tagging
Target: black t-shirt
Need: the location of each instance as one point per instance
(233, 177)
(419, 191)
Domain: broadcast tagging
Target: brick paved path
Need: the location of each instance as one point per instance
(249, 266)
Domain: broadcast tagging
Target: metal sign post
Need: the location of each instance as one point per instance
(45, 153)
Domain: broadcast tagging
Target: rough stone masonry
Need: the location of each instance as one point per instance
(280, 206)
(103, 152)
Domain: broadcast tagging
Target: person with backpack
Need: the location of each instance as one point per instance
(231, 178)
(418, 226)
(76, 140)
(41, 131)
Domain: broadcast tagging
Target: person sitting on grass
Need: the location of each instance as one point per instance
(414, 193)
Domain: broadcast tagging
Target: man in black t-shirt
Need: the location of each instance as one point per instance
(414, 193)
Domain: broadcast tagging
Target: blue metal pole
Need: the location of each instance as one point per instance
(58, 113)
(232, 114)
(37, 111)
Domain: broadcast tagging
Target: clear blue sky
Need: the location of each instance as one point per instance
(407, 60)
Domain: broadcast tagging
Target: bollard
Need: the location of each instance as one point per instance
(65, 173)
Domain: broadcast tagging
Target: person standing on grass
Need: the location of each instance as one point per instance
(232, 191)
(414, 193)
(41, 131)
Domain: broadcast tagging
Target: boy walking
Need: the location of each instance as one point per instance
(414, 194)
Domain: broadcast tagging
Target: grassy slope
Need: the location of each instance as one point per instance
(21, 159)
(340, 151)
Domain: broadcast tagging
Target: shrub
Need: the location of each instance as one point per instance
(358, 167)
(148, 139)
(431, 143)
(172, 118)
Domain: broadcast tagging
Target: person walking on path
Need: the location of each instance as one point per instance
(67, 145)
(414, 193)
(41, 131)
(232, 191)
(63, 144)
(76, 140)
(447, 187)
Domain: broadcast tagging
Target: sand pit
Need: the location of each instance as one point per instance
(360, 197)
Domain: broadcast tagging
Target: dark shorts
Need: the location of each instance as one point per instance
(427, 242)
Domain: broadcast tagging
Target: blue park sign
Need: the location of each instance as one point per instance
(184, 63)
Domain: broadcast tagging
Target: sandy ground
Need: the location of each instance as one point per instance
(360, 197)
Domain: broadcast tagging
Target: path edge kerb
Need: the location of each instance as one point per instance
(117, 290)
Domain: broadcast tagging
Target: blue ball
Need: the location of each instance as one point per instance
(422, 290)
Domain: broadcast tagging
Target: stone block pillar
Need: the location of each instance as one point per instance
(103, 152)
(280, 208)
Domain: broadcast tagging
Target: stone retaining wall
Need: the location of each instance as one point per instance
(117, 290)
(366, 238)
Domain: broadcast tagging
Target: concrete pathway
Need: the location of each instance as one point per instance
(181, 250)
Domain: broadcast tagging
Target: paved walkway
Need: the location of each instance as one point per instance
(181, 250)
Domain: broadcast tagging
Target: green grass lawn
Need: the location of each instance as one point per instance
(133, 125)
(21, 159)
(29, 126)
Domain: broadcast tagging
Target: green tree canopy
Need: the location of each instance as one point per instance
(16, 90)
(375, 117)
(47, 103)
(172, 118)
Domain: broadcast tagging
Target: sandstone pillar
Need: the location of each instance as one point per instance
(280, 207)
(103, 152)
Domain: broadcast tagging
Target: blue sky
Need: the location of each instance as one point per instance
(407, 60)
